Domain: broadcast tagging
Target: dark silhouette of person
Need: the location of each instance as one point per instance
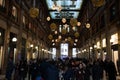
(9, 69)
(110, 69)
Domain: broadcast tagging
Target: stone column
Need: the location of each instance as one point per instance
(58, 53)
(19, 44)
(107, 35)
(70, 51)
(118, 27)
(6, 45)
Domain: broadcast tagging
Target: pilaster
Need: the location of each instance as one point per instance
(58, 53)
(6, 45)
(70, 52)
(19, 44)
(107, 35)
(118, 28)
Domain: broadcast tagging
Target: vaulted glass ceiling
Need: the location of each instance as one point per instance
(69, 8)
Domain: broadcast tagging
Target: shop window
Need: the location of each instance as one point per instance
(2, 6)
(114, 39)
(1, 36)
(14, 12)
(104, 43)
(23, 20)
(60, 28)
(112, 12)
(53, 53)
(98, 45)
(74, 52)
(2, 3)
(64, 49)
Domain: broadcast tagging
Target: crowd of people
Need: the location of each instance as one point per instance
(61, 69)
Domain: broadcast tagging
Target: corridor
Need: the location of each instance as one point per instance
(60, 39)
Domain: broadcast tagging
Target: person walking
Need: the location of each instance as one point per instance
(110, 69)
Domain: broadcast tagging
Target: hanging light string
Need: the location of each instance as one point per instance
(63, 16)
(87, 23)
(87, 15)
(34, 3)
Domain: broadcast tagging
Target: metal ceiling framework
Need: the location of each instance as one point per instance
(69, 8)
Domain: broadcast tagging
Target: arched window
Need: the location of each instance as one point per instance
(53, 53)
(64, 49)
(14, 11)
(74, 52)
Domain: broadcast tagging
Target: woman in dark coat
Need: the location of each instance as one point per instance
(111, 70)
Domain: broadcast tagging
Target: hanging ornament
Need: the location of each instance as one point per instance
(50, 36)
(63, 20)
(53, 40)
(65, 26)
(69, 38)
(76, 34)
(58, 40)
(56, 32)
(53, 26)
(74, 28)
(76, 40)
(64, 31)
(66, 39)
(48, 18)
(54, 7)
(78, 23)
(73, 22)
(87, 25)
(59, 37)
(98, 3)
(59, 8)
(34, 12)
(71, 42)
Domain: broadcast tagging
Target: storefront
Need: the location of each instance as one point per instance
(2, 31)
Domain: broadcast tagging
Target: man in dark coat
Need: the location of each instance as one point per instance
(9, 69)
